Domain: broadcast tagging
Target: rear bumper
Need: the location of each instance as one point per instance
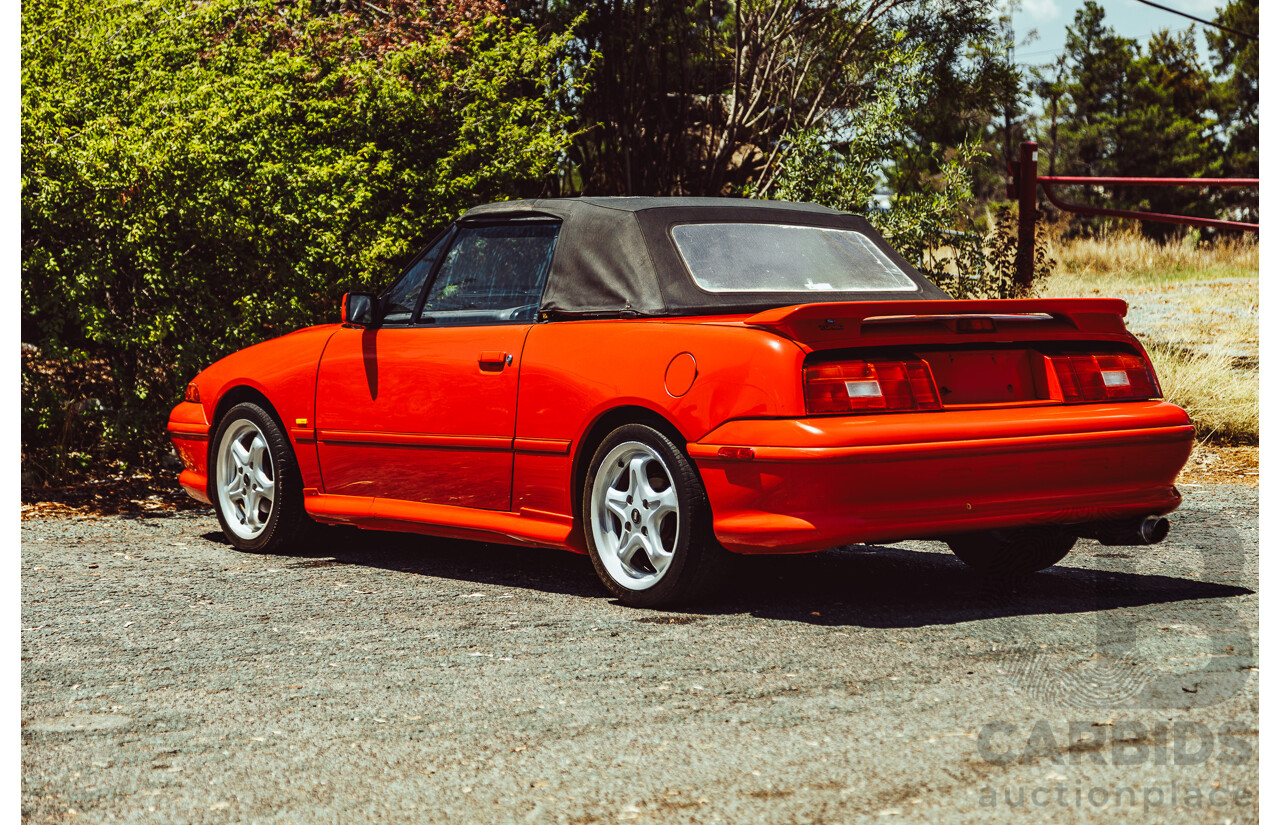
(189, 432)
(820, 482)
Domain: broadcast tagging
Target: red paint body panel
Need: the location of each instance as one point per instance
(846, 321)
(424, 414)
(429, 429)
(440, 520)
(283, 370)
(576, 372)
(818, 482)
(189, 431)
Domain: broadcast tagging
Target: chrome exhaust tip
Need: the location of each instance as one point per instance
(1130, 532)
(1153, 529)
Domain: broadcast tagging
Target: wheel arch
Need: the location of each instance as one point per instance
(229, 398)
(596, 433)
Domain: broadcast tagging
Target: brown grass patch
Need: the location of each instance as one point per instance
(137, 495)
(1221, 465)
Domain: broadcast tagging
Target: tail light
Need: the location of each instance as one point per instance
(877, 386)
(1104, 377)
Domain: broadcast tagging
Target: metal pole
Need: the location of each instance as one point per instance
(1027, 172)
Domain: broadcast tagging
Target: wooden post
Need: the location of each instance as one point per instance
(1027, 173)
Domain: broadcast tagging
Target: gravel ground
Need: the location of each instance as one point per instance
(387, 678)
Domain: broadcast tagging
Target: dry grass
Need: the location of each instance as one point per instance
(1220, 397)
(1139, 259)
(1194, 306)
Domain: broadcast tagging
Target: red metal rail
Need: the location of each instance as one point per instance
(1026, 178)
(1101, 181)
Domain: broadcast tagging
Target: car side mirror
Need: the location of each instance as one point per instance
(359, 308)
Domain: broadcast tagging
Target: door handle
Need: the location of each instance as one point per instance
(495, 358)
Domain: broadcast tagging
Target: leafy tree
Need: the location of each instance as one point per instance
(1166, 130)
(1117, 109)
(654, 69)
(821, 100)
(196, 178)
(1236, 97)
(976, 95)
(699, 98)
(1049, 84)
(1098, 86)
(933, 228)
(1237, 102)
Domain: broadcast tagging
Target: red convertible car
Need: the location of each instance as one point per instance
(657, 382)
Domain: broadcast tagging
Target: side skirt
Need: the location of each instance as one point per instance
(532, 527)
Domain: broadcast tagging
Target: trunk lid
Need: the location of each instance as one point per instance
(978, 353)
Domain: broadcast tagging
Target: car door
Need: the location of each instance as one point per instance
(421, 407)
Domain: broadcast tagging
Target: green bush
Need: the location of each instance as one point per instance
(197, 177)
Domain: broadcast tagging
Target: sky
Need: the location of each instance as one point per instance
(1050, 18)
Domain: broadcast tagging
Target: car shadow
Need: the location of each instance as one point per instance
(862, 586)
(893, 587)
(500, 565)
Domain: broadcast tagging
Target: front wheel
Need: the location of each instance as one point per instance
(1014, 551)
(257, 488)
(646, 520)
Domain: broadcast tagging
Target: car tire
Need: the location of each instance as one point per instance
(647, 522)
(1014, 551)
(255, 483)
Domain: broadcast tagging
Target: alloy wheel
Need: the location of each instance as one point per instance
(635, 515)
(246, 479)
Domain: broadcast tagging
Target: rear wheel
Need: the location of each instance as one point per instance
(257, 488)
(1013, 551)
(647, 522)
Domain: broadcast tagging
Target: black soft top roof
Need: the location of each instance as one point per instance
(615, 256)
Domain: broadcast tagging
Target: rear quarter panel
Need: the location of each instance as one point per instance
(575, 372)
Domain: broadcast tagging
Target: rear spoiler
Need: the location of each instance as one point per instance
(1085, 314)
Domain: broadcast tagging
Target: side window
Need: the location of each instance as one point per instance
(493, 274)
(399, 301)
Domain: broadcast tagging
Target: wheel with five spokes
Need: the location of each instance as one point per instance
(257, 489)
(646, 520)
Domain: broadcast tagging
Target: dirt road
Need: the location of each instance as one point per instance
(384, 678)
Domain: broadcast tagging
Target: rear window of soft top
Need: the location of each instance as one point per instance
(760, 257)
